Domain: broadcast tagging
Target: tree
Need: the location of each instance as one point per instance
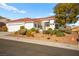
(66, 13)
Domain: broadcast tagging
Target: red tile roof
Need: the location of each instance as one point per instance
(33, 20)
(42, 19)
(22, 20)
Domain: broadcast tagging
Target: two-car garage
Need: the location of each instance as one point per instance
(12, 27)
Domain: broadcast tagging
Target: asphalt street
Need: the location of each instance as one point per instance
(14, 48)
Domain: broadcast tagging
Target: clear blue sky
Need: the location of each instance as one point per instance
(22, 10)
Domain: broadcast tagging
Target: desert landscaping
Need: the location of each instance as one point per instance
(48, 35)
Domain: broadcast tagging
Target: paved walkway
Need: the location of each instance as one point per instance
(45, 43)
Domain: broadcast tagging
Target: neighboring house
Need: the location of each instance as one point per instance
(76, 24)
(76, 28)
(3, 22)
(38, 23)
(1, 25)
(3, 19)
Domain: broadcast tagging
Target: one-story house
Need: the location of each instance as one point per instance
(38, 23)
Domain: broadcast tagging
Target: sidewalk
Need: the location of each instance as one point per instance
(3, 35)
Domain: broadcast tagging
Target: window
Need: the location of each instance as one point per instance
(35, 25)
(47, 24)
(39, 26)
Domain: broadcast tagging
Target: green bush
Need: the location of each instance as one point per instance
(49, 31)
(16, 32)
(22, 27)
(55, 31)
(29, 33)
(33, 29)
(60, 34)
(45, 32)
(62, 29)
(68, 31)
(22, 31)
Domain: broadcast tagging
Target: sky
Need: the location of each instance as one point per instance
(15, 11)
(23, 10)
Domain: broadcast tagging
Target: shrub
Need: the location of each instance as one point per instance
(37, 31)
(60, 34)
(68, 31)
(4, 28)
(45, 32)
(29, 33)
(55, 31)
(62, 29)
(33, 29)
(22, 31)
(22, 27)
(49, 31)
(16, 33)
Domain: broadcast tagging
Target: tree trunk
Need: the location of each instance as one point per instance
(65, 23)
